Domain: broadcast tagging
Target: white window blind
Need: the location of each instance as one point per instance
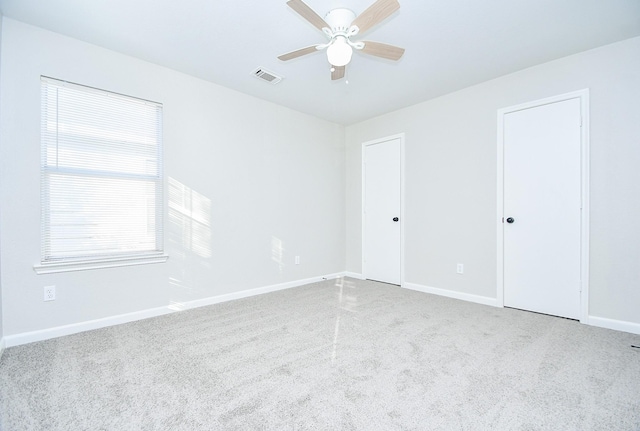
(101, 175)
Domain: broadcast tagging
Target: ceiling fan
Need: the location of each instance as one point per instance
(340, 25)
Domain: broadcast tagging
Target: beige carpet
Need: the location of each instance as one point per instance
(336, 355)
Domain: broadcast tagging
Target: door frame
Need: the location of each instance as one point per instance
(401, 137)
(583, 95)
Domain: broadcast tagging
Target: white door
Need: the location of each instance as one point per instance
(381, 216)
(542, 208)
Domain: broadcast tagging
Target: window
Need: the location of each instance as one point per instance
(101, 178)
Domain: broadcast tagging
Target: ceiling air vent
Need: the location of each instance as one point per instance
(265, 75)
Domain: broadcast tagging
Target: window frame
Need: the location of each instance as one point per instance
(94, 259)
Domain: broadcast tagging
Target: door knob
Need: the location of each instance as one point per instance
(395, 219)
(510, 220)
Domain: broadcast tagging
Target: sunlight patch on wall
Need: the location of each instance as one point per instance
(277, 252)
(176, 306)
(190, 213)
(180, 283)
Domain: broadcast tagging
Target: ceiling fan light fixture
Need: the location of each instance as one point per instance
(339, 26)
(339, 52)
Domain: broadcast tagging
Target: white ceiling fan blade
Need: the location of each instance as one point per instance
(337, 72)
(376, 13)
(298, 53)
(383, 50)
(307, 13)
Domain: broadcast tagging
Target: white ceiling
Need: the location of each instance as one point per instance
(450, 44)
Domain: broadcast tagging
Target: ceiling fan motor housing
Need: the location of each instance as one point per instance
(340, 19)
(339, 25)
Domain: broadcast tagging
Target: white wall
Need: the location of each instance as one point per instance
(1, 316)
(451, 177)
(271, 181)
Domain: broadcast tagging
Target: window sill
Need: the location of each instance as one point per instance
(50, 268)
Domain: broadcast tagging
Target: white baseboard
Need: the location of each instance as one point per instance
(485, 300)
(618, 325)
(60, 331)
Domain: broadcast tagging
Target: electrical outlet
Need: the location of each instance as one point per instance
(297, 260)
(460, 269)
(49, 293)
